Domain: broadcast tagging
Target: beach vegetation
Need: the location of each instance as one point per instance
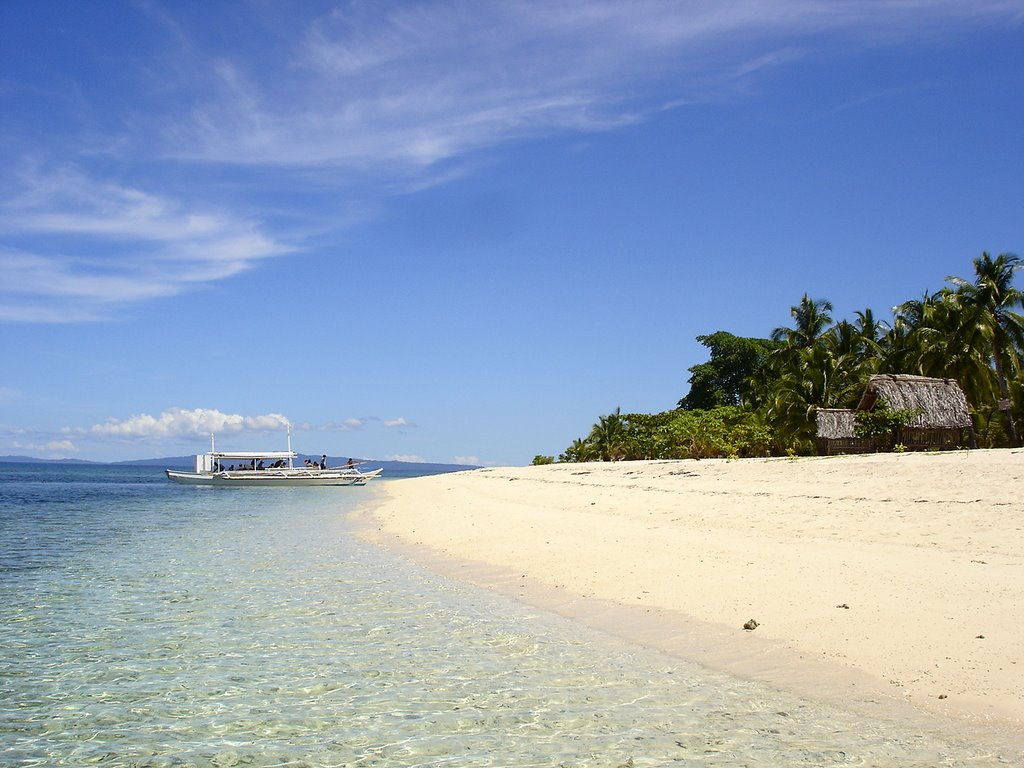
(883, 424)
(722, 432)
(540, 460)
(608, 437)
(580, 450)
(759, 396)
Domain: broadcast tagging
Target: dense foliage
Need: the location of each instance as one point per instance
(757, 397)
(882, 424)
(725, 378)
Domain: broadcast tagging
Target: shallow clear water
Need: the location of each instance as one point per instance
(143, 623)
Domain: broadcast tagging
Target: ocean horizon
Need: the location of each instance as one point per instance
(149, 624)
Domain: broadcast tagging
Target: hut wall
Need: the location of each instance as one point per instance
(935, 439)
(835, 446)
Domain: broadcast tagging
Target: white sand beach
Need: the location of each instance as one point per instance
(880, 580)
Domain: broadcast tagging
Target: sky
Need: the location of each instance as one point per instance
(462, 231)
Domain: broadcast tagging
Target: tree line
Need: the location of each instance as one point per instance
(758, 396)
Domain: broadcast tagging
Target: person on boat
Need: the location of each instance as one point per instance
(323, 461)
(350, 463)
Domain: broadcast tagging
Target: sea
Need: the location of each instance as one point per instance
(144, 623)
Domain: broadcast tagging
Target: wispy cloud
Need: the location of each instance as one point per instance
(360, 423)
(89, 246)
(374, 97)
(348, 425)
(412, 86)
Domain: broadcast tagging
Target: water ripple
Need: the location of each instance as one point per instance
(155, 626)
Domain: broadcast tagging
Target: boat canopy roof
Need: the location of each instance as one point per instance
(237, 455)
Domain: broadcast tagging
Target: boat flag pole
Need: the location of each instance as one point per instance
(289, 446)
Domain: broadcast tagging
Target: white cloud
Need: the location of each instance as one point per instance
(177, 422)
(98, 245)
(474, 460)
(399, 423)
(55, 448)
(348, 425)
(406, 457)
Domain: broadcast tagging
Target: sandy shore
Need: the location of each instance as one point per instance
(881, 580)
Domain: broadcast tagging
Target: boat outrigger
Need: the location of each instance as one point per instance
(244, 469)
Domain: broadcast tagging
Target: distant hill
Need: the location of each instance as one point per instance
(167, 461)
(390, 467)
(32, 460)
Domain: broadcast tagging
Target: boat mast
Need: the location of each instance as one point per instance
(289, 446)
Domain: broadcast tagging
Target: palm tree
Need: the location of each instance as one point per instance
(580, 450)
(812, 320)
(608, 436)
(852, 358)
(952, 343)
(993, 294)
(806, 371)
(900, 347)
(870, 333)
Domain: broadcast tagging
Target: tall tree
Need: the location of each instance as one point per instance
(725, 378)
(992, 293)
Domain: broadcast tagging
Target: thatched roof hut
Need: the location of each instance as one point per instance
(939, 407)
(834, 423)
(937, 403)
(835, 432)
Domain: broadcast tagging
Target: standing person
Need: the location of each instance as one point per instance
(323, 461)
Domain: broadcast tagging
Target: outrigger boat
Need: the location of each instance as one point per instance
(244, 469)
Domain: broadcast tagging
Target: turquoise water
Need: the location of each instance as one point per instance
(143, 623)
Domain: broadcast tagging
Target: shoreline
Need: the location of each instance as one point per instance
(888, 583)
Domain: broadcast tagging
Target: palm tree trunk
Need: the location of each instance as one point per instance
(1004, 394)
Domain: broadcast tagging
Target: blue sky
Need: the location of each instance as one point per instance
(461, 231)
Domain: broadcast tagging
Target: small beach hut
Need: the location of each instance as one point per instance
(835, 432)
(940, 415)
(940, 408)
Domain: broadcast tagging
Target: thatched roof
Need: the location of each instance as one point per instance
(835, 423)
(939, 403)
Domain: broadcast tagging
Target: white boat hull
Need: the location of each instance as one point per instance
(283, 478)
